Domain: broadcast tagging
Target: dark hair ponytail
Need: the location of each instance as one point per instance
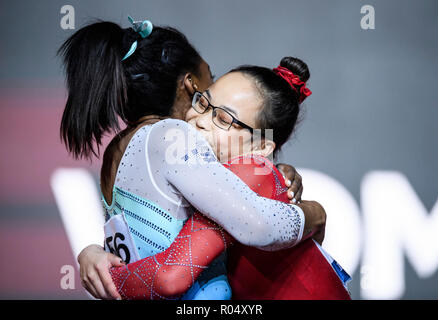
(281, 105)
(102, 88)
(97, 90)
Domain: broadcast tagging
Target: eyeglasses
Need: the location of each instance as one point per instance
(221, 117)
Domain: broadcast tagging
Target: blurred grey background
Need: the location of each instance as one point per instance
(374, 103)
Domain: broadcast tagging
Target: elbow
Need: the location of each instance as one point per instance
(271, 236)
(171, 283)
(258, 234)
(269, 239)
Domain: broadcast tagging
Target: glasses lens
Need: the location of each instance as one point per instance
(222, 119)
(199, 102)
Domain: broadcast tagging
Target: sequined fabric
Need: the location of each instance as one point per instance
(169, 274)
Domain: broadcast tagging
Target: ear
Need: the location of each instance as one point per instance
(189, 84)
(266, 148)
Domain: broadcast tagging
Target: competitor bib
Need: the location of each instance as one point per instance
(118, 239)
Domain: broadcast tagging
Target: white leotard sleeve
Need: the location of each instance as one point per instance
(187, 162)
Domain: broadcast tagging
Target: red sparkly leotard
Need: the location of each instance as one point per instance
(300, 272)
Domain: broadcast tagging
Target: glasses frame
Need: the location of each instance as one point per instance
(236, 121)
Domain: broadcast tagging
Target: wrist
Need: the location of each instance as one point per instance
(315, 216)
(302, 217)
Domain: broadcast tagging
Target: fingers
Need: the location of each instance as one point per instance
(97, 284)
(299, 194)
(115, 261)
(94, 271)
(87, 286)
(108, 283)
(293, 180)
(287, 171)
(296, 189)
(103, 281)
(296, 183)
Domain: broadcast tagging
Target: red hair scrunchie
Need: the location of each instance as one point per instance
(294, 81)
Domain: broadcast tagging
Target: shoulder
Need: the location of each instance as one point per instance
(182, 139)
(171, 130)
(171, 124)
(260, 174)
(252, 161)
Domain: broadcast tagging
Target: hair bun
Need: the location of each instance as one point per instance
(297, 66)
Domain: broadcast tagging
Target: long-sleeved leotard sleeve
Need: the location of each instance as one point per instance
(188, 163)
(170, 273)
(173, 271)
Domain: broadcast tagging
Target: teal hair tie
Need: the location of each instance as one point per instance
(144, 28)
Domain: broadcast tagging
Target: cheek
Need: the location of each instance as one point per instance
(219, 142)
(248, 143)
(231, 144)
(205, 84)
(221, 138)
(243, 144)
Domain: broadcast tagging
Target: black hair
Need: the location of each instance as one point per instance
(281, 105)
(102, 88)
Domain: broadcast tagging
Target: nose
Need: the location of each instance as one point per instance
(203, 121)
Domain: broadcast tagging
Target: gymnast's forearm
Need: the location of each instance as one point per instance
(171, 273)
